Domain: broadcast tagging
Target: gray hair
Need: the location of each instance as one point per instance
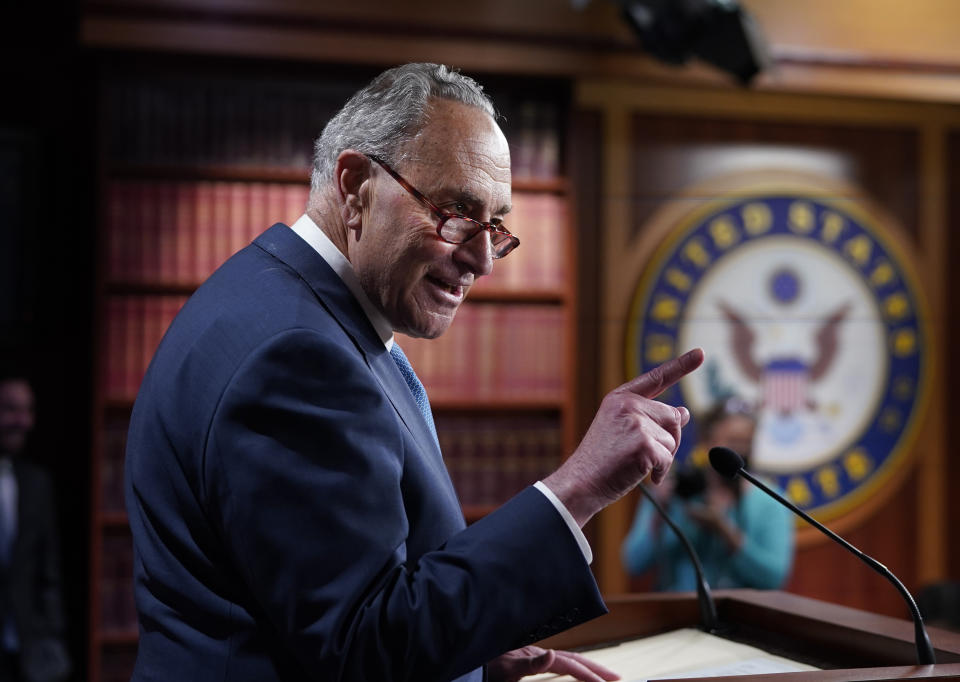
(389, 112)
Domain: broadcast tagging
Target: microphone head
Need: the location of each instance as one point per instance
(726, 461)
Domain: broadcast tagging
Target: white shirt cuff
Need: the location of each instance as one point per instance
(568, 517)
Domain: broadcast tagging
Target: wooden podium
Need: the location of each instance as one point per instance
(846, 643)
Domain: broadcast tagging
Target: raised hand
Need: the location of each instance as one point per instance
(632, 436)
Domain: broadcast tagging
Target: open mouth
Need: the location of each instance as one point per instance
(452, 289)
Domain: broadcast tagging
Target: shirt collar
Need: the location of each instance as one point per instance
(311, 233)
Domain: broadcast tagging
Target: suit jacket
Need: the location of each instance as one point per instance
(31, 580)
(291, 514)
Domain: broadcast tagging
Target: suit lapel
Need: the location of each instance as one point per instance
(281, 242)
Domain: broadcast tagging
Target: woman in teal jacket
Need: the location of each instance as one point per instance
(743, 537)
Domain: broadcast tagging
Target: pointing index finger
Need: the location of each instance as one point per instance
(657, 380)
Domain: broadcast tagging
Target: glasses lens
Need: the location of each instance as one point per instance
(502, 244)
(458, 230)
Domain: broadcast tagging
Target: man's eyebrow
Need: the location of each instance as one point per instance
(471, 199)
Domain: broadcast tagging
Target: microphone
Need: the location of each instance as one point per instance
(728, 463)
(708, 610)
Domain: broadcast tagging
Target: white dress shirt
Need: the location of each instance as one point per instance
(316, 238)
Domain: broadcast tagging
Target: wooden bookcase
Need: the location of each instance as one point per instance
(195, 164)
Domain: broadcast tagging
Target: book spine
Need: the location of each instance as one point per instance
(488, 350)
(133, 320)
(258, 219)
(220, 233)
(184, 266)
(112, 362)
(111, 475)
(239, 215)
(149, 261)
(148, 326)
(297, 196)
(275, 202)
(203, 227)
(166, 217)
(131, 227)
(115, 233)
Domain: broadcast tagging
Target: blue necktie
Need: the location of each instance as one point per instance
(420, 397)
(416, 388)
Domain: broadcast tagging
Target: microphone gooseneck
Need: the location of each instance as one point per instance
(728, 463)
(708, 609)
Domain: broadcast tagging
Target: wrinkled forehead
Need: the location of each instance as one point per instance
(459, 145)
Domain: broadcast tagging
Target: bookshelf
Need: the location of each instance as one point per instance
(194, 166)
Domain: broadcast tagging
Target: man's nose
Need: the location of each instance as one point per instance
(477, 254)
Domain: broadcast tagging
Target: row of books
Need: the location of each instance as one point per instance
(118, 612)
(493, 457)
(198, 121)
(490, 352)
(177, 233)
(540, 262)
(494, 353)
(134, 326)
(534, 140)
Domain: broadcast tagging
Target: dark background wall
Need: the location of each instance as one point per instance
(46, 255)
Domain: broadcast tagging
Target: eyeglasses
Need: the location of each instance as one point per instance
(454, 228)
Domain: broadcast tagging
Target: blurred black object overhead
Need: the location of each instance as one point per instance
(720, 32)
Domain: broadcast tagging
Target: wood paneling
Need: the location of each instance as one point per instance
(667, 141)
(952, 341)
(586, 179)
(917, 32)
(672, 153)
(821, 634)
(827, 571)
(899, 50)
(586, 176)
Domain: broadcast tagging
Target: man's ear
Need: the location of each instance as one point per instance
(352, 173)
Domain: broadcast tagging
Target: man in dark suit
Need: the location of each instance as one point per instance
(31, 612)
(291, 513)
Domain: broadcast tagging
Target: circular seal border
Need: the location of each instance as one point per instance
(687, 227)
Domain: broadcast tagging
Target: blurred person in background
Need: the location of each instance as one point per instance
(743, 537)
(31, 613)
